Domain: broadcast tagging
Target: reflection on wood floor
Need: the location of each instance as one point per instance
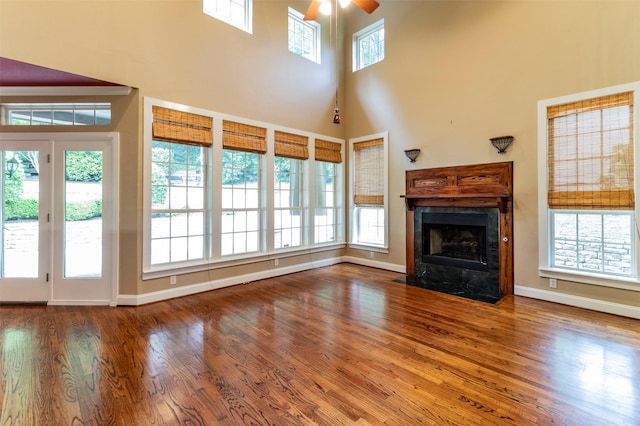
(335, 346)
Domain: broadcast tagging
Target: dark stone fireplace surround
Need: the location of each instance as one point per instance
(477, 278)
(481, 189)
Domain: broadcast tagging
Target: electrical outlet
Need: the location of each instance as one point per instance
(276, 261)
(553, 283)
(172, 280)
(371, 254)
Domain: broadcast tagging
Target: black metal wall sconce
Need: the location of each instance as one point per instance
(501, 143)
(412, 154)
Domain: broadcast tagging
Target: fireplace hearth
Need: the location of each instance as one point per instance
(459, 227)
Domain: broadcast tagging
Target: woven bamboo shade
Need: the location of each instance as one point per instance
(181, 127)
(369, 172)
(591, 154)
(330, 152)
(291, 146)
(244, 137)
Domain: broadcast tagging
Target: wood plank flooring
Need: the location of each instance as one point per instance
(339, 345)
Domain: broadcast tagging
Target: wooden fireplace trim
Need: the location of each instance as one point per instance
(478, 185)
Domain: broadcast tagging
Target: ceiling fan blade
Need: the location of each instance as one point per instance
(312, 11)
(367, 5)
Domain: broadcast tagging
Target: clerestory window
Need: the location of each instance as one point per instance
(234, 12)
(368, 46)
(304, 36)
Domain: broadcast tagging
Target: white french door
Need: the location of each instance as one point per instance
(25, 231)
(58, 216)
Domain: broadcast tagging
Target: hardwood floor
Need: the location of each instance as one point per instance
(334, 346)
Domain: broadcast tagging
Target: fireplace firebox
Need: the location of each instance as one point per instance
(455, 239)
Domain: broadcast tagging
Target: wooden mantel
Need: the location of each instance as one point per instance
(478, 185)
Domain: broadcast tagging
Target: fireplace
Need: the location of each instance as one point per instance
(457, 251)
(456, 239)
(459, 227)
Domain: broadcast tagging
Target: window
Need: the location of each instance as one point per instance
(177, 220)
(587, 157)
(220, 191)
(288, 214)
(304, 36)
(369, 191)
(291, 151)
(368, 46)
(56, 114)
(233, 12)
(177, 186)
(328, 157)
(242, 157)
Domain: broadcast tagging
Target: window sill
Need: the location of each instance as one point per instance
(168, 270)
(366, 247)
(590, 278)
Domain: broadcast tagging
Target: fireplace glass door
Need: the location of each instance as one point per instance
(455, 239)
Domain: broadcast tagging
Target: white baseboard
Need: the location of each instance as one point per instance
(157, 296)
(375, 264)
(579, 301)
(534, 293)
(59, 302)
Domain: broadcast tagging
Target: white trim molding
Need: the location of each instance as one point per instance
(65, 90)
(375, 264)
(157, 296)
(579, 301)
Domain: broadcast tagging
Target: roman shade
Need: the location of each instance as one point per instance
(590, 155)
(330, 152)
(244, 137)
(368, 173)
(290, 145)
(175, 126)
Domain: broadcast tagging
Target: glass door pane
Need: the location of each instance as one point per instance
(83, 191)
(24, 214)
(20, 207)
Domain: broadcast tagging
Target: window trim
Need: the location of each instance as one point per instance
(302, 191)
(213, 258)
(353, 213)
(317, 34)
(357, 36)
(545, 269)
(247, 19)
(7, 108)
(338, 190)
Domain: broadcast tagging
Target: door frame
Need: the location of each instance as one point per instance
(111, 268)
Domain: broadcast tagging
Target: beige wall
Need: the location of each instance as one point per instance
(170, 50)
(455, 74)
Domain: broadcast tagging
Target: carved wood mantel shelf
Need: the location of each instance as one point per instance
(478, 185)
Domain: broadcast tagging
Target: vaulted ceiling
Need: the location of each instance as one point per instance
(21, 74)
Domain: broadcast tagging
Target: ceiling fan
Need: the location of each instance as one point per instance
(312, 12)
